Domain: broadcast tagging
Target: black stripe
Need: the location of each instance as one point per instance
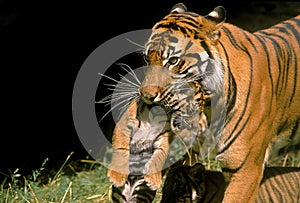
(295, 76)
(282, 127)
(189, 44)
(231, 95)
(293, 30)
(173, 39)
(297, 21)
(206, 48)
(181, 65)
(276, 188)
(235, 44)
(194, 55)
(276, 48)
(297, 36)
(229, 140)
(145, 194)
(231, 38)
(194, 25)
(183, 30)
(184, 16)
(291, 52)
(250, 41)
(117, 194)
(158, 35)
(174, 26)
(263, 43)
(245, 106)
(176, 52)
(294, 129)
(286, 60)
(281, 29)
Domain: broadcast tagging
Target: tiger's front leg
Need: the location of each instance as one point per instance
(243, 185)
(153, 169)
(242, 167)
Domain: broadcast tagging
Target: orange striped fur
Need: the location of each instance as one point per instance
(254, 77)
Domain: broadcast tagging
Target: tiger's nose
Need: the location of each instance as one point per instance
(149, 93)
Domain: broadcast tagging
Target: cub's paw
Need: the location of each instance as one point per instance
(116, 178)
(154, 180)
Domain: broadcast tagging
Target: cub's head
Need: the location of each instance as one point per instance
(182, 57)
(184, 184)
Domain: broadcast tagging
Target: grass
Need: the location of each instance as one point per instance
(79, 181)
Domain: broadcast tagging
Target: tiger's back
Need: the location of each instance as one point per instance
(267, 70)
(284, 46)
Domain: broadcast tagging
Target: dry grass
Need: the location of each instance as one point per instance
(81, 181)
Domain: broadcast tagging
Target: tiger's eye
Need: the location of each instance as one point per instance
(173, 60)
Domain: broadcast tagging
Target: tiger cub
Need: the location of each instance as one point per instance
(195, 184)
(140, 144)
(143, 135)
(135, 190)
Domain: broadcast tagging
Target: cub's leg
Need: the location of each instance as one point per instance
(153, 169)
(119, 168)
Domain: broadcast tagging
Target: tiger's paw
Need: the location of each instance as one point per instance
(153, 180)
(116, 178)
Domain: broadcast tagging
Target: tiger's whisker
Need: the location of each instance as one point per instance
(132, 42)
(114, 80)
(130, 82)
(126, 101)
(119, 86)
(125, 90)
(130, 72)
(114, 98)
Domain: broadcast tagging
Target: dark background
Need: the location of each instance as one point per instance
(43, 47)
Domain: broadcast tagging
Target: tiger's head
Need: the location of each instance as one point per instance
(182, 58)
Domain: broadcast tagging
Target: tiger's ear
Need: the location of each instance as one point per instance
(179, 8)
(218, 15)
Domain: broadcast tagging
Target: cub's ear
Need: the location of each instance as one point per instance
(197, 171)
(218, 15)
(179, 8)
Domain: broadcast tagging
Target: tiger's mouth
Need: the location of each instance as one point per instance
(186, 102)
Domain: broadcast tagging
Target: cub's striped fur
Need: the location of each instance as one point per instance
(148, 149)
(135, 190)
(195, 184)
(140, 145)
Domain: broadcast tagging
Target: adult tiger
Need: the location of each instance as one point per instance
(195, 184)
(254, 76)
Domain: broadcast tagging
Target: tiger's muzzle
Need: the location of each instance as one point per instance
(155, 84)
(150, 93)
